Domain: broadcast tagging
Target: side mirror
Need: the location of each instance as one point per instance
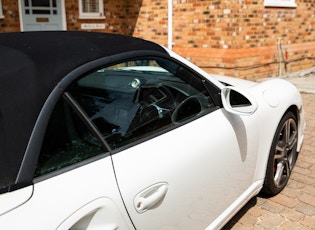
(237, 102)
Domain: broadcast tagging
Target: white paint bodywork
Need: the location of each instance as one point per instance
(199, 165)
(76, 197)
(205, 171)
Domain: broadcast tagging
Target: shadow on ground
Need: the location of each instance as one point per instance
(251, 203)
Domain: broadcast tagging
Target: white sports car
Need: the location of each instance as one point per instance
(103, 131)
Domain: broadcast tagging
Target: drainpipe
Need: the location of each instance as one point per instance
(279, 54)
(283, 56)
(286, 60)
(170, 25)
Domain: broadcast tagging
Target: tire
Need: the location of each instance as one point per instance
(283, 155)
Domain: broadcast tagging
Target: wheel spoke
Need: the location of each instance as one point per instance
(279, 173)
(280, 150)
(280, 146)
(282, 172)
(292, 141)
(287, 128)
(291, 133)
(279, 157)
(287, 168)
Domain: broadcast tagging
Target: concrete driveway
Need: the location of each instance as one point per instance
(294, 207)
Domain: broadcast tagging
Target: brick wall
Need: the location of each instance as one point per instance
(119, 16)
(11, 20)
(235, 38)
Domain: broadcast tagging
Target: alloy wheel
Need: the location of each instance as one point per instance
(285, 152)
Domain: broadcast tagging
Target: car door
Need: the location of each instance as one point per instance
(180, 160)
(187, 177)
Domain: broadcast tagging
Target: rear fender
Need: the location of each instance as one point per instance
(14, 199)
(101, 213)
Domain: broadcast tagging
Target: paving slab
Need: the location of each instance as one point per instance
(304, 84)
(304, 80)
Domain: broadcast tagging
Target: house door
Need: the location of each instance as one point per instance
(42, 15)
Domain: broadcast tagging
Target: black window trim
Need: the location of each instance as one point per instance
(29, 163)
(81, 113)
(213, 90)
(66, 96)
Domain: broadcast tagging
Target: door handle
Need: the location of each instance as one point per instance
(150, 197)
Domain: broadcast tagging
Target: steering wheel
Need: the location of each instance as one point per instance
(188, 108)
(160, 99)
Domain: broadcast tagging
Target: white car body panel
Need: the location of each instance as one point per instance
(12, 200)
(236, 206)
(195, 147)
(88, 191)
(240, 83)
(274, 97)
(274, 115)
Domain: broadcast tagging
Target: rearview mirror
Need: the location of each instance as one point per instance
(237, 102)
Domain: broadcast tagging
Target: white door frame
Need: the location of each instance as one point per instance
(63, 15)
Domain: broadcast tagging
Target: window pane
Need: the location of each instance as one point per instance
(42, 3)
(280, 3)
(90, 6)
(40, 11)
(67, 141)
(139, 98)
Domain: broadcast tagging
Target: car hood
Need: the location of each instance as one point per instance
(232, 81)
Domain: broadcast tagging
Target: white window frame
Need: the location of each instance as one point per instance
(280, 3)
(1, 12)
(91, 15)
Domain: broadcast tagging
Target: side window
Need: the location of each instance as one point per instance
(91, 9)
(135, 99)
(280, 3)
(67, 141)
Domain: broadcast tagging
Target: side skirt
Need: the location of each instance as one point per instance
(236, 206)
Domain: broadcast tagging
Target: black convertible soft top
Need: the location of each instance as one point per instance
(32, 64)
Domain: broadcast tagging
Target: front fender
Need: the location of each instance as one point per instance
(275, 97)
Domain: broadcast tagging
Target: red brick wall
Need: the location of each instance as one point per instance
(152, 21)
(11, 20)
(119, 15)
(235, 38)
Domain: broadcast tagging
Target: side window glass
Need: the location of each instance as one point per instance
(138, 98)
(67, 141)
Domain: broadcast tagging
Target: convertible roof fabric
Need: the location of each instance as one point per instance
(32, 64)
